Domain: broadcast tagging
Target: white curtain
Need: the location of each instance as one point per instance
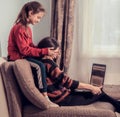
(96, 39)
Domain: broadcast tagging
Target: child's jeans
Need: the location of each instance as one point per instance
(43, 72)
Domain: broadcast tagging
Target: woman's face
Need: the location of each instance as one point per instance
(56, 52)
(35, 18)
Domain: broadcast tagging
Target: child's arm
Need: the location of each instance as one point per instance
(23, 44)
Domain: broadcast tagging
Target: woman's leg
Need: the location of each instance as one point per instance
(111, 100)
(80, 98)
(85, 98)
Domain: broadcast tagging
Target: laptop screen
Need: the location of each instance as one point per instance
(98, 74)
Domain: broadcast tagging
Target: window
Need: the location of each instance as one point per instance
(99, 21)
(96, 39)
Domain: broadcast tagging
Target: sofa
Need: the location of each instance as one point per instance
(20, 97)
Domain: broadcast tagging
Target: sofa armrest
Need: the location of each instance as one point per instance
(112, 90)
(3, 100)
(13, 94)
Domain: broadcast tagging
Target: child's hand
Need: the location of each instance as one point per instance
(51, 51)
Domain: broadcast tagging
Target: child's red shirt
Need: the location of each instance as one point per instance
(20, 43)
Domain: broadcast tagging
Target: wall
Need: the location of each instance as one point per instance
(9, 12)
(80, 68)
(42, 29)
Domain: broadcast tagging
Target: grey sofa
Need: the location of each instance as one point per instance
(23, 99)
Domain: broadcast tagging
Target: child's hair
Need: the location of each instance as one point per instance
(33, 6)
(48, 42)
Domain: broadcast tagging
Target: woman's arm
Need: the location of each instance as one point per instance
(62, 79)
(93, 89)
(58, 76)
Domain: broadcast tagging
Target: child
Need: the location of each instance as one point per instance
(61, 87)
(20, 44)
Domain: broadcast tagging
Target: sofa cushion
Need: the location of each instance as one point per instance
(25, 79)
(113, 91)
(102, 105)
(12, 90)
(68, 111)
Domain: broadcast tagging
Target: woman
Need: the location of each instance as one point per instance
(61, 88)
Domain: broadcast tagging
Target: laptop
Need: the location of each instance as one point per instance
(97, 75)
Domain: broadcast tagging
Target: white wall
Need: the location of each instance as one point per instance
(9, 11)
(43, 28)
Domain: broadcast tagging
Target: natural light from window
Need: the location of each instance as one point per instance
(100, 27)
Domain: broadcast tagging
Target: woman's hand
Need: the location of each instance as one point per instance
(96, 90)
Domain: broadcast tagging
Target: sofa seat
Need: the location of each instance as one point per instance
(99, 109)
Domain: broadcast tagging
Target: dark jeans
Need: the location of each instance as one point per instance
(43, 72)
(85, 98)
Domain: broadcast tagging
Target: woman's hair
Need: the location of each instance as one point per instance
(33, 6)
(48, 42)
